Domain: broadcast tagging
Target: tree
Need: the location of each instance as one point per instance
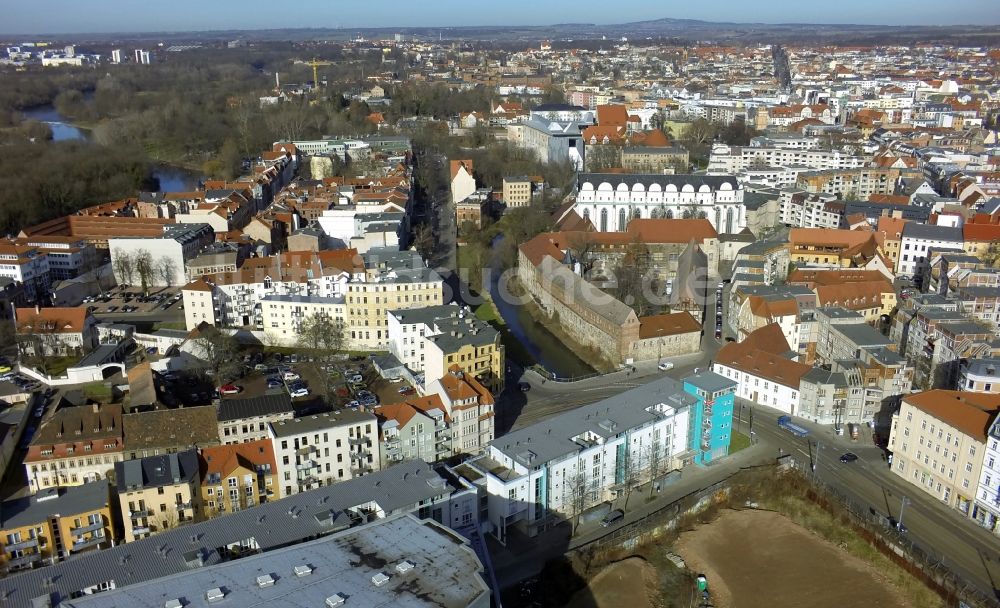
(322, 337)
(574, 494)
(166, 268)
(218, 352)
(145, 269)
(123, 265)
(424, 241)
(602, 157)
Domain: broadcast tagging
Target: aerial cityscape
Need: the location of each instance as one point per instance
(519, 305)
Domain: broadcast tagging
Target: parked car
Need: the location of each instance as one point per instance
(357, 379)
(299, 392)
(259, 367)
(613, 517)
(407, 390)
(848, 457)
(524, 387)
(39, 411)
(289, 375)
(230, 389)
(665, 365)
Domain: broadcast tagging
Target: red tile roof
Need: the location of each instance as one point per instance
(969, 412)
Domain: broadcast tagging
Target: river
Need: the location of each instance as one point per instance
(544, 347)
(171, 179)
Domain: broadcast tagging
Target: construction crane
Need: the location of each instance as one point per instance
(315, 63)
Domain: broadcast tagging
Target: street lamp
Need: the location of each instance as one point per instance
(903, 501)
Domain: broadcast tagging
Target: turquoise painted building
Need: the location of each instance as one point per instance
(712, 416)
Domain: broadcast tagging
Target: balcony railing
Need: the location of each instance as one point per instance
(307, 465)
(22, 545)
(24, 560)
(84, 529)
(184, 505)
(359, 441)
(138, 530)
(141, 513)
(86, 543)
(360, 455)
(306, 450)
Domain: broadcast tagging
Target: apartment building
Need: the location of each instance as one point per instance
(55, 524)
(169, 253)
(158, 493)
(435, 338)
(243, 420)
(980, 375)
(67, 256)
(986, 510)
(938, 440)
(711, 416)
(811, 211)
(413, 429)
(554, 470)
(920, 241)
(237, 477)
(726, 160)
(324, 449)
(860, 183)
(762, 370)
(55, 331)
(28, 265)
(74, 446)
(517, 191)
(463, 183)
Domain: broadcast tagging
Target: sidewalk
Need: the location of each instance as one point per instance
(525, 557)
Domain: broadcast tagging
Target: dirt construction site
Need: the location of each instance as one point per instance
(760, 559)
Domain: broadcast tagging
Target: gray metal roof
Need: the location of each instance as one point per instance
(319, 422)
(157, 471)
(440, 570)
(271, 525)
(861, 334)
(53, 502)
(926, 232)
(265, 405)
(553, 438)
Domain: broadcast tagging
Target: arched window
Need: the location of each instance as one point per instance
(604, 220)
(586, 214)
(621, 220)
(637, 214)
(718, 220)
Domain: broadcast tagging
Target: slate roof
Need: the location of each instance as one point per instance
(157, 471)
(680, 180)
(252, 407)
(54, 502)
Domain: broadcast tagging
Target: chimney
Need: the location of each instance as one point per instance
(38, 309)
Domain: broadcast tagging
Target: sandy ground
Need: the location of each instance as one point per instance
(759, 559)
(624, 584)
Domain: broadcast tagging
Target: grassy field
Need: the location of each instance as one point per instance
(98, 391)
(738, 442)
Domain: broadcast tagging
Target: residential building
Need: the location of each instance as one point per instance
(986, 510)
(558, 468)
(409, 487)
(763, 367)
(168, 430)
(981, 375)
(463, 183)
(324, 449)
(920, 241)
(245, 419)
(52, 332)
(27, 265)
(75, 445)
(413, 429)
(712, 416)
(551, 140)
(517, 191)
(169, 253)
(938, 441)
(55, 524)
(158, 493)
(238, 476)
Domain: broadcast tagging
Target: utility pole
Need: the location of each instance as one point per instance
(903, 501)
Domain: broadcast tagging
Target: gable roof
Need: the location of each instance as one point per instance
(761, 354)
(222, 460)
(60, 320)
(460, 164)
(166, 428)
(969, 412)
(670, 324)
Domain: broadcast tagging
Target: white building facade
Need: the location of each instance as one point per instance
(611, 201)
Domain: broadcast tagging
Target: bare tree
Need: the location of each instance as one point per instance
(123, 265)
(144, 267)
(166, 268)
(574, 494)
(218, 351)
(322, 337)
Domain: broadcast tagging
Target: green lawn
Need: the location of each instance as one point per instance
(98, 391)
(56, 366)
(738, 442)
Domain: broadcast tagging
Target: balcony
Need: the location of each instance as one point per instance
(308, 480)
(184, 505)
(303, 451)
(140, 514)
(21, 546)
(86, 543)
(361, 469)
(85, 529)
(139, 530)
(360, 455)
(359, 441)
(306, 466)
(24, 560)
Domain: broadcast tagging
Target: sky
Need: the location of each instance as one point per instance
(91, 16)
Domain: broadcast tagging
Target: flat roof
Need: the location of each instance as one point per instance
(424, 563)
(710, 382)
